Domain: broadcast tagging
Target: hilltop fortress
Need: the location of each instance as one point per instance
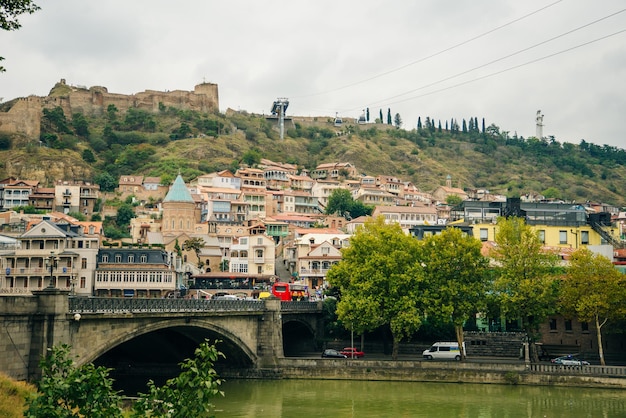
(23, 115)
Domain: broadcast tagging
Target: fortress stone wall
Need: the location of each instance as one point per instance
(23, 116)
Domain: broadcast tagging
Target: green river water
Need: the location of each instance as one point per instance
(348, 399)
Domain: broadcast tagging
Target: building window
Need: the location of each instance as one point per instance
(562, 237)
(131, 258)
(105, 258)
(484, 234)
(584, 326)
(568, 325)
(144, 258)
(83, 263)
(584, 237)
(118, 258)
(552, 324)
(542, 236)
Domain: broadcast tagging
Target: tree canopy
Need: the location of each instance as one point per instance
(526, 282)
(593, 290)
(456, 273)
(9, 11)
(341, 203)
(380, 281)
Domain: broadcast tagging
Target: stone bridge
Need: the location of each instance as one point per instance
(151, 333)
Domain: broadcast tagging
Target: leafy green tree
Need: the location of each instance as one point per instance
(112, 112)
(593, 290)
(340, 202)
(9, 11)
(124, 214)
(453, 200)
(397, 120)
(5, 142)
(106, 182)
(78, 216)
(66, 390)
(195, 245)
(80, 125)
(188, 394)
(252, 157)
(525, 281)
(552, 193)
(360, 209)
(54, 121)
(380, 281)
(456, 273)
(88, 156)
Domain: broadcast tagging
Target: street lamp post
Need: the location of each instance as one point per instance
(52, 263)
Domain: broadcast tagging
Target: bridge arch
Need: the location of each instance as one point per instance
(299, 336)
(197, 331)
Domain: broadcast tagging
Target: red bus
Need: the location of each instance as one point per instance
(290, 291)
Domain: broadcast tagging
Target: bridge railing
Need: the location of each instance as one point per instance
(299, 306)
(138, 305)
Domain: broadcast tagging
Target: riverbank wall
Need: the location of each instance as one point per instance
(610, 377)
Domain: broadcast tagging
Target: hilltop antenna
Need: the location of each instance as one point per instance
(278, 108)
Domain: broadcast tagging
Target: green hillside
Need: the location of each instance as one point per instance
(192, 143)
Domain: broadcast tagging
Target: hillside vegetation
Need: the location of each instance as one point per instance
(192, 143)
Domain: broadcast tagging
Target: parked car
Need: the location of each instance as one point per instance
(443, 350)
(330, 353)
(352, 352)
(569, 360)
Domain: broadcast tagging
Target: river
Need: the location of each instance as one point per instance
(364, 399)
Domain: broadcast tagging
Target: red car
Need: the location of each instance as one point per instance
(352, 352)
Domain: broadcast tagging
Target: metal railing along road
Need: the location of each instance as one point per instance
(138, 305)
(580, 370)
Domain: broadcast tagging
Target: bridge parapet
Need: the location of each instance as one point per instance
(137, 305)
(300, 306)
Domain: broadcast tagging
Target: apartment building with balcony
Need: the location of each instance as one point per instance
(312, 254)
(253, 254)
(373, 196)
(76, 196)
(407, 216)
(15, 193)
(59, 255)
(220, 180)
(43, 198)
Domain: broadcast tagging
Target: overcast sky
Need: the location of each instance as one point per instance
(501, 60)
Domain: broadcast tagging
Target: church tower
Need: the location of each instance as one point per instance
(180, 213)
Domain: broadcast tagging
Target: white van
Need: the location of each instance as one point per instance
(443, 350)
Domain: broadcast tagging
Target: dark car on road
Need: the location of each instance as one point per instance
(330, 353)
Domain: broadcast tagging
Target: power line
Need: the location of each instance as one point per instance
(506, 69)
(429, 56)
(499, 59)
